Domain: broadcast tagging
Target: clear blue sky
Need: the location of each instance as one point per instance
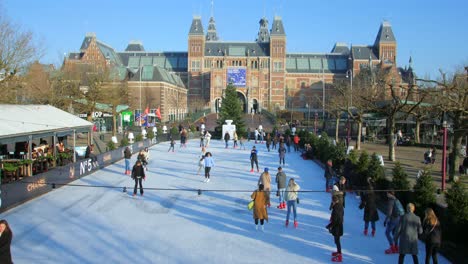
(434, 33)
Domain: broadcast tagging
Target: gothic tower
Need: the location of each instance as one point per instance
(385, 44)
(196, 46)
(276, 94)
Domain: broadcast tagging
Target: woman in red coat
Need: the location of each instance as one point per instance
(259, 210)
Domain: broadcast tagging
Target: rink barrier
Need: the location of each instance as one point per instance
(18, 192)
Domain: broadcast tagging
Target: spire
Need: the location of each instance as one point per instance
(212, 35)
(263, 34)
(410, 62)
(277, 28)
(196, 28)
(385, 34)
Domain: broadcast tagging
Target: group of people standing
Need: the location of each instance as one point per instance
(137, 172)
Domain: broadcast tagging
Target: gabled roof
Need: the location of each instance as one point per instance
(363, 52)
(196, 28)
(385, 34)
(135, 46)
(277, 28)
(341, 48)
(316, 63)
(109, 53)
(20, 121)
(171, 61)
(241, 49)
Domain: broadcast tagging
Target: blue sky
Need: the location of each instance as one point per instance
(434, 33)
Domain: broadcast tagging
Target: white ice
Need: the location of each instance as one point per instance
(106, 225)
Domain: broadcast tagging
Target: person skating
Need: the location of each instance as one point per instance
(6, 236)
(335, 227)
(281, 184)
(329, 173)
(241, 142)
(432, 233)
(296, 140)
(127, 157)
(209, 163)
(259, 211)
(235, 139)
(253, 159)
(201, 160)
(339, 189)
(407, 233)
(291, 200)
(268, 142)
(172, 144)
(138, 174)
(227, 137)
(265, 179)
(370, 210)
(282, 154)
(207, 138)
(392, 220)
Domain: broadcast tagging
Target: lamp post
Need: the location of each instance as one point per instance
(444, 153)
(315, 122)
(308, 115)
(349, 74)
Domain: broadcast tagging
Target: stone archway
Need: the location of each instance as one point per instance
(255, 106)
(243, 102)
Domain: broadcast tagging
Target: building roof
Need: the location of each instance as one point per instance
(135, 46)
(241, 49)
(316, 63)
(20, 121)
(263, 32)
(212, 34)
(153, 73)
(341, 48)
(385, 34)
(196, 28)
(361, 52)
(171, 61)
(277, 28)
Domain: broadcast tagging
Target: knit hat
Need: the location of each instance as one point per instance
(265, 170)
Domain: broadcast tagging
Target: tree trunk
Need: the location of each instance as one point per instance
(337, 128)
(453, 156)
(114, 122)
(359, 134)
(391, 139)
(417, 131)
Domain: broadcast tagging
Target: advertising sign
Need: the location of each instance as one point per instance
(236, 76)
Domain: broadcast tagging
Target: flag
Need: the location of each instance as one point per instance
(147, 110)
(158, 113)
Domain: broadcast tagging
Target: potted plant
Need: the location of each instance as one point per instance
(25, 164)
(11, 170)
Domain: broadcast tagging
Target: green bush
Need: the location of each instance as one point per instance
(138, 138)
(124, 142)
(400, 182)
(362, 167)
(375, 171)
(424, 191)
(111, 145)
(174, 131)
(457, 201)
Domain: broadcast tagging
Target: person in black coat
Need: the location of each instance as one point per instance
(336, 227)
(370, 210)
(138, 174)
(431, 235)
(5, 242)
(329, 173)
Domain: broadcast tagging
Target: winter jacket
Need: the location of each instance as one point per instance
(392, 213)
(408, 231)
(253, 154)
(432, 234)
(209, 162)
(138, 172)
(281, 180)
(127, 153)
(328, 172)
(227, 136)
(296, 139)
(5, 245)
(291, 192)
(259, 210)
(265, 179)
(336, 220)
(282, 152)
(369, 206)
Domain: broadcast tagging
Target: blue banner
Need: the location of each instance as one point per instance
(236, 76)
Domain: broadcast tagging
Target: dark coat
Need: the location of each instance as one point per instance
(5, 244)
(407, 232)
(138, 172)
(369, 206)
(282, 152)
(281, 180)
(253, 154)
(127, 153)
(432, 234)
(329, 172)
(336, 224)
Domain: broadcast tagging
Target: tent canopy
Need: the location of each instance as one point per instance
(18, 122)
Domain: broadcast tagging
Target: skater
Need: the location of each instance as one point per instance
(265, 179)
(335, 227)
(6, 235)
(281, 184)
(287, 141)
(408, 231)
(201, 160)
(281, 153)
(256, 134)
(431, 235)
(259, 211)
(172, 145)
(329, 173)
(370, 210)
(296, 143)
(138, 174)
(209, 163)
(268, 142)
(235, 139)
(127, 157)
(202, 139)
(275, 141)
(183, 138)
(392, 219)
(253, 159)
(339, 189)
(207, 138)
(227, 137)
(291, 198)
(142, 157)
(241, 142)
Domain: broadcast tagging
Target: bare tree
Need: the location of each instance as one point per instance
(451, 95)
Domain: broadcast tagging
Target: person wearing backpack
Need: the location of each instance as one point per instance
(392, 219)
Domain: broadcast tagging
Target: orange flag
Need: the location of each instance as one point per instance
(158, 113)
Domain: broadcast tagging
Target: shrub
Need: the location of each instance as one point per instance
(362, 166)
(400, 182)
(174, 131)
(457, 201)
(138, 138)
(424, 191)
(124, 142)
(111, 145)
(375, 171)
